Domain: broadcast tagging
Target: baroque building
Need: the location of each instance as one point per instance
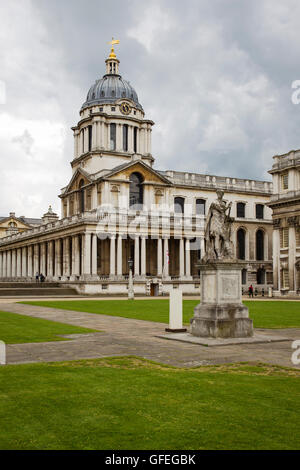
(285, 203)
(117, 207)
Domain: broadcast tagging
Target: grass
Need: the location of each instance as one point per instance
(15, 328)
(268, 314)
(131, 403)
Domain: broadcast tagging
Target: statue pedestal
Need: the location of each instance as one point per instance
(221, 313)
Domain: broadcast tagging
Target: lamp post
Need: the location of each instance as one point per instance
(130, 281)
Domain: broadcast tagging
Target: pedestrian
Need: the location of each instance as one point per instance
(37, 276)
(251, 291)
(42, 277)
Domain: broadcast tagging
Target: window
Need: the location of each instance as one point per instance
(113, 137)
(285, 279)
(240, 209)
(136, 191)
(135, 131)
(260, 276)
(259, 211)
(200, 206)
(259, 245)
(100, 109)
(244, 276)
(113, 108)
(90, 133)
(125, 137)
(285, 181)
(179, 205)
(241, 236)
(284, 237)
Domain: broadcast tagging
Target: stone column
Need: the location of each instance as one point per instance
(75, 243)
(94, 135)
(187, 258)
(50, 260)
(57, 259)
(8, 263)
(19, 262)
(102, 142)
(276, 257)
(112, 270)
(13, 263)
(4, 264)
(130, 139)
(66, 258)
(119, 256)
(24, 262)
(43, 258)
(159, 256)
(292, 260)
(181, 257)
(137, 255)
(143, 256)
(86, 255)
(166, 258)
(36, 259)
(94, 255)
(29, 261)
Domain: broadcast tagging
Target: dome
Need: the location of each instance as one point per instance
(109, 89)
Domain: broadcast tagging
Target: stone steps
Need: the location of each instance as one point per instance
(32, 289)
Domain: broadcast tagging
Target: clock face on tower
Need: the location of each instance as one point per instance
(125, 108)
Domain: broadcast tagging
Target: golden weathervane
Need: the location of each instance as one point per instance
(112, 54)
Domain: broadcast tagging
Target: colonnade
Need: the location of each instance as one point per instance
(101, 138)
(76, 257)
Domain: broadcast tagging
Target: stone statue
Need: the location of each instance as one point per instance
(218, 231)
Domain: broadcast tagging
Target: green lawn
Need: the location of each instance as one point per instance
(130, 403)
(265, 314)
(15, 328)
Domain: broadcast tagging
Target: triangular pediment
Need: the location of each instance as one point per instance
(149, 175)
(76, 181)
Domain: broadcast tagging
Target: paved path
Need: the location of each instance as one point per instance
(122, 336)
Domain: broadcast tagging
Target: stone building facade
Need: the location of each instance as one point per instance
(285, 204)
(117, 207)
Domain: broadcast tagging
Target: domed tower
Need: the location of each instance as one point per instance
(112, 129)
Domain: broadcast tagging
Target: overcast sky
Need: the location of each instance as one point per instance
(214, 75)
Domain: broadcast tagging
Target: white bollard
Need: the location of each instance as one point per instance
(175, 312)
(2, 353)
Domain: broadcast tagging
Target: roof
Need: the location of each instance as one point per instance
(109, 89)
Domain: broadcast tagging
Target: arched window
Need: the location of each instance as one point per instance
(136, 191)
(179, 205)
(200, 206)
(81, 196)
(241, 236)
(259, 245)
